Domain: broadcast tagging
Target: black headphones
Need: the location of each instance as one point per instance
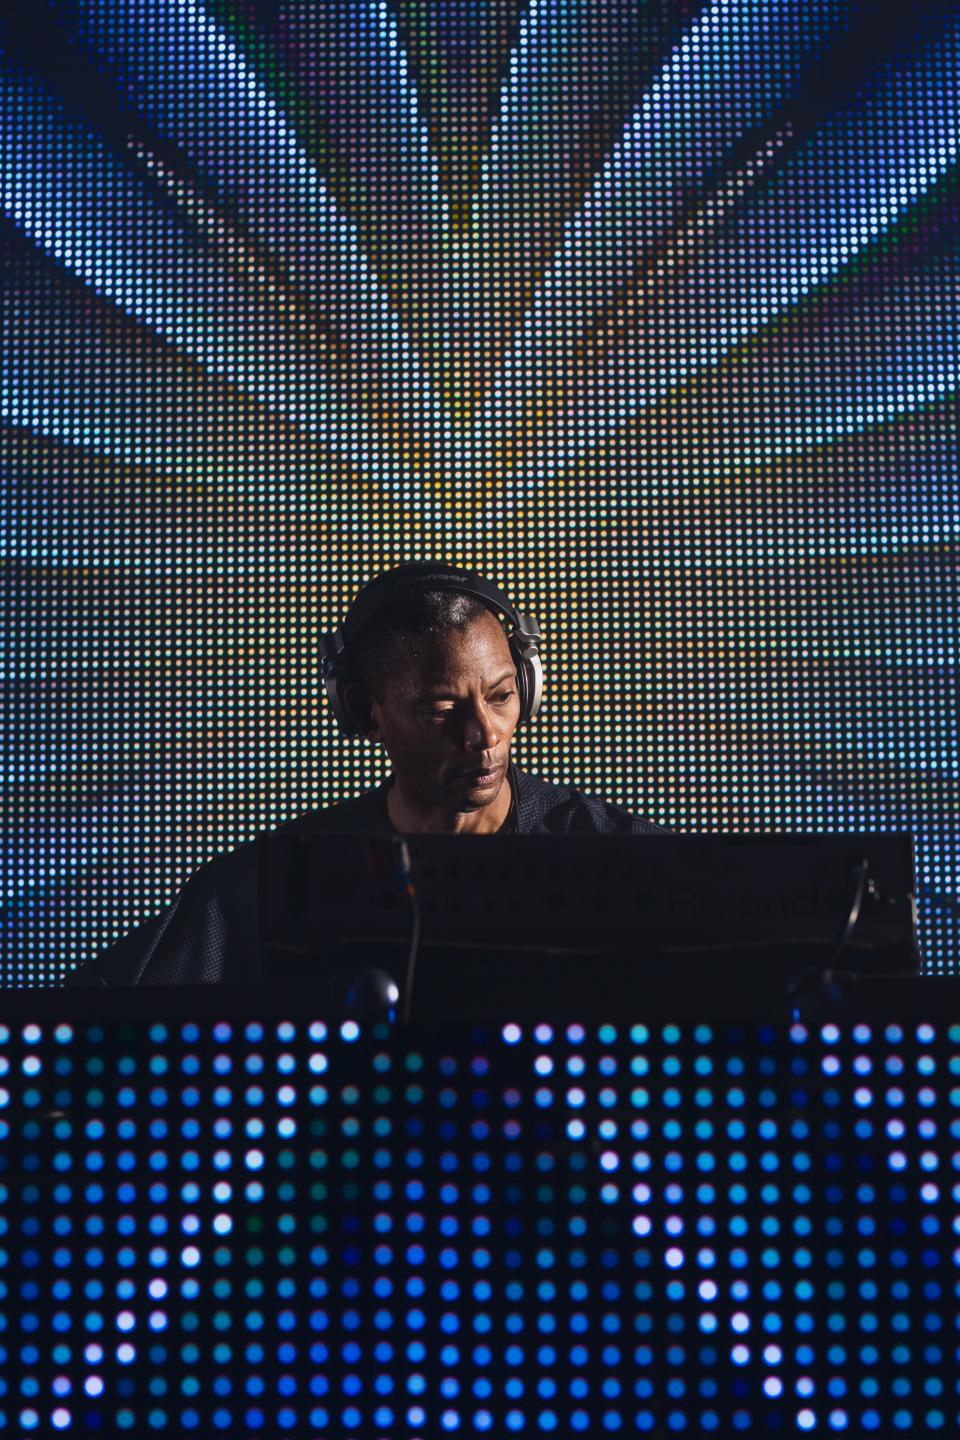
(383, 591)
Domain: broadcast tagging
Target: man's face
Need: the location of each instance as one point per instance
(453, 711)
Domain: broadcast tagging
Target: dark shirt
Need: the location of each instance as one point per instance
(209, 934)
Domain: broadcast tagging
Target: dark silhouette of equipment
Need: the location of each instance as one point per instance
(469, 926)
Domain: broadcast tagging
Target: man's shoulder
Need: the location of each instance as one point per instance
(208, 932)
(360, 812)
(549, 808)
(238, 865)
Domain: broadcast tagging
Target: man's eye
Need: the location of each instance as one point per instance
(500, 699)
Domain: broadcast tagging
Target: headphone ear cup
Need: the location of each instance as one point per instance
(525, 681)
(335, 681)
(526, 656)
(521, 681)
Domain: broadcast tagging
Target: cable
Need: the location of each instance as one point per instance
(824, 974)
(401, 853)
(861, 874)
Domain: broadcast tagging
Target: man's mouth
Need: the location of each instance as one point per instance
(482, 777)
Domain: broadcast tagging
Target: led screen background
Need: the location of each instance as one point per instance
(247, 1226)
(646, 312)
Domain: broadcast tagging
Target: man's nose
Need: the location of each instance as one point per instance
(482, 727)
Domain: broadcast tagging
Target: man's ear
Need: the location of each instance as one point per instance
(358, 704)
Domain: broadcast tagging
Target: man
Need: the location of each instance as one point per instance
(432, 678)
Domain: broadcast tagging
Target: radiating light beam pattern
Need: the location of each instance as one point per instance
(175, 57)
(649, 313)
(698, 93)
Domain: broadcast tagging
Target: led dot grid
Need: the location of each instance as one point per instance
(646, 312)
(666, 1228)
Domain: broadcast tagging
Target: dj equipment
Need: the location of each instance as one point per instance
(531, 925)
(381, 593)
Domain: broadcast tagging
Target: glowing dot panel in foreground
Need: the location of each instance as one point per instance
(224, 1226)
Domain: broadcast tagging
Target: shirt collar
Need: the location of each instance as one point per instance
(517, 791)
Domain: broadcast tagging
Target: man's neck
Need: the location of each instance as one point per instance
(411, 819)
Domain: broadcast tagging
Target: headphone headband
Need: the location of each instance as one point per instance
(410, 579)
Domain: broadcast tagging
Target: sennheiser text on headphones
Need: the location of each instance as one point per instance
(380, 593)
